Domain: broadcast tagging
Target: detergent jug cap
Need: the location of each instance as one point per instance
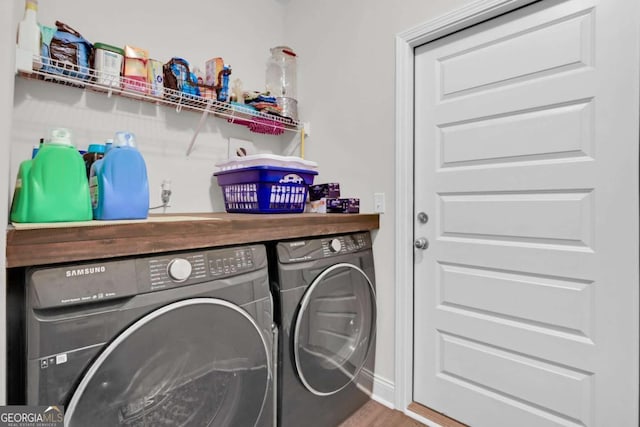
(124, 139)
(96, 148)
(60, 136)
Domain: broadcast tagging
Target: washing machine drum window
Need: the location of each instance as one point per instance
(334, 329)
(197, 362)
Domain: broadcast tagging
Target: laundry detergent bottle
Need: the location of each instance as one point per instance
(52, 187)
(118, 182)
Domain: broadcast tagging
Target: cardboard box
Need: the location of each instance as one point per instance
(155, 77)
(329, 191)
(318, 206)
(335, 205)
(351, 205)
(135, 72)
(213, 67)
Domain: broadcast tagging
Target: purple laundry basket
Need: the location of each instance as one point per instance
(265, 189)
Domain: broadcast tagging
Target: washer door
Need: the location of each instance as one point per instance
(334, 329)
(201, 361)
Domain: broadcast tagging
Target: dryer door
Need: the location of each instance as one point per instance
(334, 329)
(196, 362)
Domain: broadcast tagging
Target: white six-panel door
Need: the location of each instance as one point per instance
(526, 163)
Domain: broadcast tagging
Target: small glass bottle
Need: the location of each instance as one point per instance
(281, 73)
(281, 80)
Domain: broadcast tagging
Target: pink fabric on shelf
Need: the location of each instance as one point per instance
(266, 126)
(260, 125)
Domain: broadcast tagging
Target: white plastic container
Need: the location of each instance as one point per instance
(156, 78)
(108, 61)
(29, 32)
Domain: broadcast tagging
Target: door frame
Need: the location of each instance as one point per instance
(474, 12)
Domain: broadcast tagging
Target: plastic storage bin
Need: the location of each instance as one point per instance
(265, 189)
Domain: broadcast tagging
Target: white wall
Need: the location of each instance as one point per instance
(346, 72)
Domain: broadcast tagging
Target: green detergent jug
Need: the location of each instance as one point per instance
(53, 186)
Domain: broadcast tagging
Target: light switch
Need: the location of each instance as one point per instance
(378, 202)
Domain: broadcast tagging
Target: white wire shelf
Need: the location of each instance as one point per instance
(87, 78)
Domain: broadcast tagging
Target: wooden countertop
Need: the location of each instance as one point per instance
(55, 243)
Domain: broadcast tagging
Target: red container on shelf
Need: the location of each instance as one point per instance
(134, 75)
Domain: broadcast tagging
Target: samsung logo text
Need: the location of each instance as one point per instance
(86, 271)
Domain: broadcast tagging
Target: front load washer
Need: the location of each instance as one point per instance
(180, 339)
(325, 294)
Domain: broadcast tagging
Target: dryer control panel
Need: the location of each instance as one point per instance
(344, 244)
(314, 249)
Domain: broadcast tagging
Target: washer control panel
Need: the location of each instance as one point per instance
(194, 267)
(97, 281)
(166, 271)
(231, 262)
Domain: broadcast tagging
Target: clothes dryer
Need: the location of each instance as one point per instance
(180, 339)
(325, 294)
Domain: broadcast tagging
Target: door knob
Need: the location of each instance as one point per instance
(421, 243)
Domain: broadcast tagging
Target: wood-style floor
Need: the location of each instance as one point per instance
(373, 414)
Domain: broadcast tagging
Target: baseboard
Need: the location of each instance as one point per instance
(383, 389)
(438, 419)
(384, 393)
